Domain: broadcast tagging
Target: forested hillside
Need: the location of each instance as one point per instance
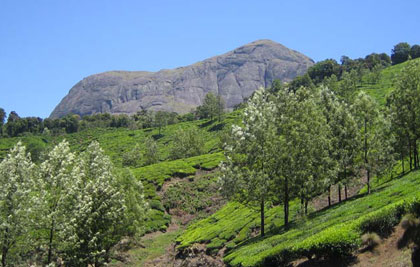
(316, 170)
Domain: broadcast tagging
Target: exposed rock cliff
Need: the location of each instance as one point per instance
(234, 76)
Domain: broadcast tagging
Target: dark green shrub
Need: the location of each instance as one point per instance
(413, 207)
(280, 259)
(156, 204)
(215, 245)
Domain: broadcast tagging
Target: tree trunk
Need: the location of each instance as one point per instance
(366, 160)
(329, 196)
(51, 241)
(402, 162)
(339, 192)
(262, 217)
(345, 191)
(301, 204)
(286, 202)
(416, 156)
(411, 159)
(306, 207)
(5, 248)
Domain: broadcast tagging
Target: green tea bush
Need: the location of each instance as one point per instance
(383, 221)
(413, 206)
(333, 243)
(215, 244)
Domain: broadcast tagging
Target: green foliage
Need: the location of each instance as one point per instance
(156, 220)
(400, 53)
(415, 51)
(191, 197)
(334, 242)
(136, 206)
(2, 118)
(385, 85)
(375, 136)
(215, 245)
(404, 103)
(212, 107)
(187, 143)
(159, 172)
(323, 69)
(132, 158)
(151, 151)
(247, 175)
(383, 221)
(300, 81)
(118, 141)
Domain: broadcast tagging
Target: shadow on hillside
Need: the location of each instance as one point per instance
(157, 136)
(353, 198)
(217, 127)
(276, 231)
(205, 124)
(348, 261)
(295, 223)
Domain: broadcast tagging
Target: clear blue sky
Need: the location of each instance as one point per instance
(48, 46)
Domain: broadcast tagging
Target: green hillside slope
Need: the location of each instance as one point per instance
(233, 223)
(117, 141)
(381, 89)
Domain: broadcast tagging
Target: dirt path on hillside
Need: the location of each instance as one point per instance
(179, 220)
(387, 253)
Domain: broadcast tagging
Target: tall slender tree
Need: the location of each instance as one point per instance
(16, 177)
(343, 136)
(404, 104)
(247, 175)
(55, 177)
(374, 131)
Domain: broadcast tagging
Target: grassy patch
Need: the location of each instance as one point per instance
(151, 248)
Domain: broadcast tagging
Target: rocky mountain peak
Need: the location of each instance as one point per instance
(234, 75)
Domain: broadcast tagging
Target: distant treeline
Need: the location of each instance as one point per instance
(213, 106)
(353, 69)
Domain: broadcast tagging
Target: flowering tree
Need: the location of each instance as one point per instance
(55, 177)
(98, 207)
(16, 178)
(247, 175)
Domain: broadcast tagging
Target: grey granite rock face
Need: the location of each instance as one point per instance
(234, 75)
